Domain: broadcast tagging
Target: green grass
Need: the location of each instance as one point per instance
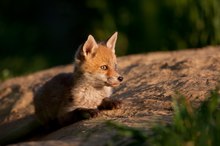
(191, 126)
(5, 74)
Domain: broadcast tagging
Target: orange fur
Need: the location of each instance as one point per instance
(69, 97)
(104, 56)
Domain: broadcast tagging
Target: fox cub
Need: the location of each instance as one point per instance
(70, 97)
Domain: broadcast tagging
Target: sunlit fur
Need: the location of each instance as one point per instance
(91, 67)
(85, 88)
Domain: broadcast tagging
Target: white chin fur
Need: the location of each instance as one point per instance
(99, 80)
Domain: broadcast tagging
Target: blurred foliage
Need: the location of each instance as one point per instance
(39, 34)
(191, 127)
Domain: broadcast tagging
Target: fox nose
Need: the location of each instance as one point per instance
(120, 78)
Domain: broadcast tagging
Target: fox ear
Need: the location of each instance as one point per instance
(89, 46)
(110, 43)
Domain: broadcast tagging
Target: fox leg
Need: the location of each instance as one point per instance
(77, 115)
(109, 104)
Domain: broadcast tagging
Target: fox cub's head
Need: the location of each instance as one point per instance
(97, 61)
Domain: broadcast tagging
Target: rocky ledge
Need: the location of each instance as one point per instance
(151, 81)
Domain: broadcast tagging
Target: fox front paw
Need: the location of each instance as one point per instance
(110, 104)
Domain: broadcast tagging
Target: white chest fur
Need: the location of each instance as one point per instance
(89, 97)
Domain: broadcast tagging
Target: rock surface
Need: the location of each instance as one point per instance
(151, 80)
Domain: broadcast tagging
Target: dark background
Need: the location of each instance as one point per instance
(35, 35)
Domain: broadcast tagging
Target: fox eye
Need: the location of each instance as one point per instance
(104, 67)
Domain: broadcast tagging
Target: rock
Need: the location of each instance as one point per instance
(151, 80)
